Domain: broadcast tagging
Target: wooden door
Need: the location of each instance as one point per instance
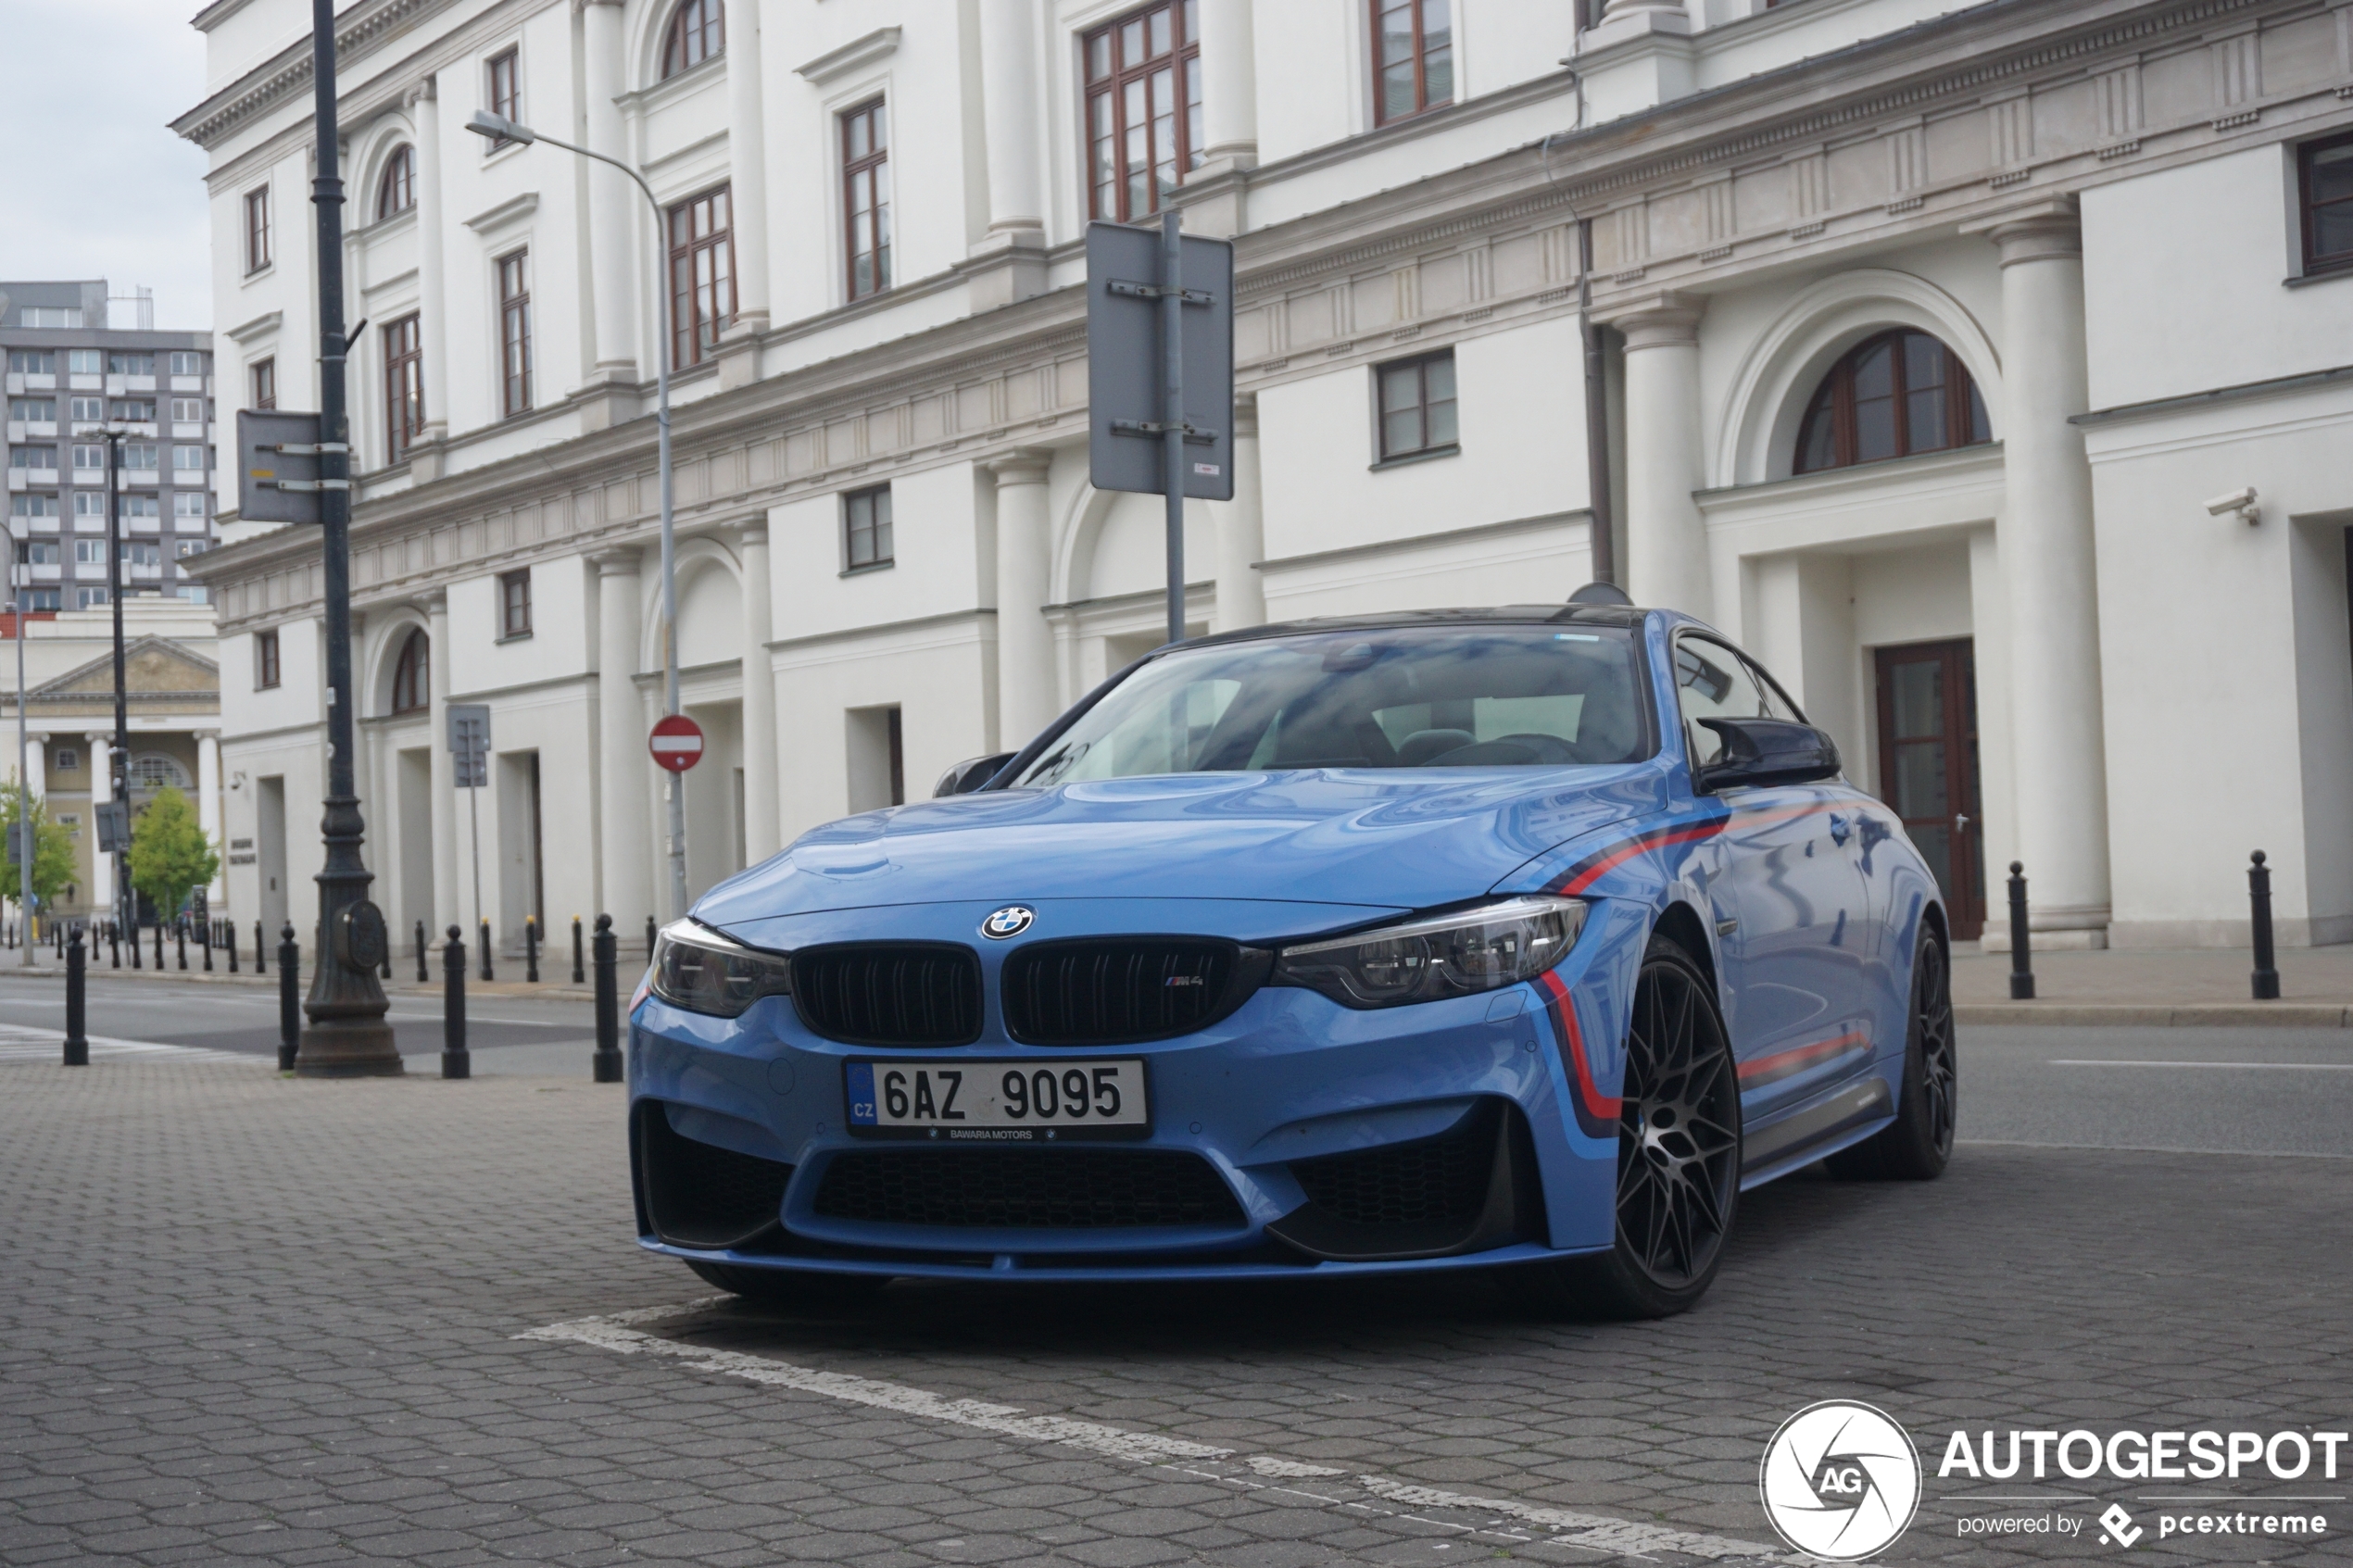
(1928, 767)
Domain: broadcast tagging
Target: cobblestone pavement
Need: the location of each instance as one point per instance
(247, 1319)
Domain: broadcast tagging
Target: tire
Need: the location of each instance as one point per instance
(1916, 1144)
(791, 1290)
(1678, 1157)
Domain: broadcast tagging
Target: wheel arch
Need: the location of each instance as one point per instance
(1681, 924)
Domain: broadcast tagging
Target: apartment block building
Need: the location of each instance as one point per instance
(1930, 330)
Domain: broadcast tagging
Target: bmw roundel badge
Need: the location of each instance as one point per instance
(1011, 921)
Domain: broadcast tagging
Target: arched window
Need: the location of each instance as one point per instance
(697, 30)
(154, 769)
(396, 188)
(1893, 396)
(412, 674)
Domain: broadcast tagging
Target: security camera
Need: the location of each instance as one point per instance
(2241, 502)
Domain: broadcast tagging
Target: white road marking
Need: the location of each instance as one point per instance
(2229, 1066)
(19, 1043)
(620, 1332)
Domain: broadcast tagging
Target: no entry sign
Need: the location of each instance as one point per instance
(677, 742)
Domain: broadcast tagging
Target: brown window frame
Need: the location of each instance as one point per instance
(261, 377)
(258, 247)
(1419, 57)
(880, 529)
(1423, 404)
(866, 174)
(514, 604)
(267, 668)
(1108, 76)
(514, 333)
(502, 75)
(412, 674)
(1963, 404)
(403, 386)
(2308, 208)
(695, 24)
(396, 186)
(693, 333)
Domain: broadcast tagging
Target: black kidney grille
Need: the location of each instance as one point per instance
(906, 993)
(1113, 990)
(1429, 1180)
(1026, 1189)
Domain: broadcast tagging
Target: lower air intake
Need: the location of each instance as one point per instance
(1028, 1189)
(699, 1195)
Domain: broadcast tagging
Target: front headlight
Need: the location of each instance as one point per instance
(1427, 960)
(698, 969)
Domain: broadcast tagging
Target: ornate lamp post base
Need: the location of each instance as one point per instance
(357, 1047)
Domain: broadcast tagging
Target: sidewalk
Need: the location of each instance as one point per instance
(2188, 986)
(556, 983)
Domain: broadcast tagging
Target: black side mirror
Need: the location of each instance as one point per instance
(1767, 751)
(970, 774)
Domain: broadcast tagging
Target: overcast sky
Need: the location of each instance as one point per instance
(92, 183)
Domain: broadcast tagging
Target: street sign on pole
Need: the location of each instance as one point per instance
(1160, 373)
(677, 742)
(278, 467)
(470, 743)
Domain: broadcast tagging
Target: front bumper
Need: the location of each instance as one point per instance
(1293, 1137)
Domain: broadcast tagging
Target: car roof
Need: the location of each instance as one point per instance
(1620, 616)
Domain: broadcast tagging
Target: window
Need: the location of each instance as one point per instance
(185, 458)
(89, 503)
(702, 283)
(865, 175)
(257, 230)
(33, 361)
(697, 30)
(1891, 395)
(514, 604)
(39, 409)
(140, 552)
(515, 331)
(140, 454)
(396, 187)
(1414, 69)
(85, 361)
(32, 504)
(68, 760)
(187, 547)
(130, 364)
(404, 388)
(48, 316)
(87, 410)
(89, 458)
(189, 503)
(1144, 134)
(36, 599)
(89, 598)
(866, 521)
(90, 552)
(152, 769)
(411, 676)
(140, 507)
(265, 661)
(1417, 406)
(42, 552)
(187, 362)
(262, 378)
(32, 456)
(1712, 682)
(187, 411)
(2325, 181)
(506, 86)
(135, 410)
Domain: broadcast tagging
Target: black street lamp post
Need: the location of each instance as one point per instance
(347, 1035)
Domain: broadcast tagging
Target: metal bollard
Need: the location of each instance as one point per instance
(579, 976)
(159, 946)
(205, 934)
(77, 1036)
(423, 973)
(135, 961)
(260, 952)
(229, 941)
(530, 949)
(2021, 958)
(114, 946)
(455, 1060)
(289, 1003)
(2258, 896)
(606, 1065)
(486, 974)
(650, 938)
(180, 938)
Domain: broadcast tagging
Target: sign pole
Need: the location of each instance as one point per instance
(26, 836)
(1172, 407)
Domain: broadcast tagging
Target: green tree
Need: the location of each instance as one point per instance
(170, 854)
(53, 856)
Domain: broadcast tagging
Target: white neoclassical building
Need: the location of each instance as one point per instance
(1929, 331)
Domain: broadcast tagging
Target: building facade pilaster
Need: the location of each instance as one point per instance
(1027, 698)
(1241, 530)
(626, 853)
(762, 763)
(438, 657)
(1667, 564)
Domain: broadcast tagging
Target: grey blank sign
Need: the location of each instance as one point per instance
(261, 467)
(470, 743)
(1123, 363)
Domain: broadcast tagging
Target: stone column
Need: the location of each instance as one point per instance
(96, 748)
(433, 310)
(762, 763)
(2044, 538)
(1026, 699)
(748, 168)
(439, 655)
(1241, 530)
(1667, 564)
(614, 235)
(1229, 84)
(208, 810)
(626, 851)
(1011, 255)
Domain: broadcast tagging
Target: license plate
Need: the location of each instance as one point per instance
(998, 1101)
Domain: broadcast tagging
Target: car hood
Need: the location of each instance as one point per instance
(1374, 839)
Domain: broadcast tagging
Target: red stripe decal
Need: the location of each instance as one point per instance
(1598, 1106)
(1594, 866)
(1784, 1064)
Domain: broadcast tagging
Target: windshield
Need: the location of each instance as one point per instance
(1508, 696)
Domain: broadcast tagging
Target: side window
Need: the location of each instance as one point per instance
(1712, 682)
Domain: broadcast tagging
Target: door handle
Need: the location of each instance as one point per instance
(1960, 822)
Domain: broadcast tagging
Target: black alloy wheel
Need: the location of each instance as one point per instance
(1918, 1144)
(1679, 1154)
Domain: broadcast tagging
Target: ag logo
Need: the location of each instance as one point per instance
(1011, 921)
(1840, 1480)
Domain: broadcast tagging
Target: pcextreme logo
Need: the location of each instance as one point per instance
(1841, 1480)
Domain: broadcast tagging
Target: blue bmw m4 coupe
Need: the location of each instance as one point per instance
(1520, 939)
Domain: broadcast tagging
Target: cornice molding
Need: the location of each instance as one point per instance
(364, 28)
